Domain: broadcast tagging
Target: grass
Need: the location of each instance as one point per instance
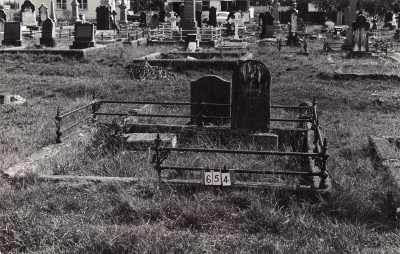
(45, 217)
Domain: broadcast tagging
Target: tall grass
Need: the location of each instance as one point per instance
(47, 217)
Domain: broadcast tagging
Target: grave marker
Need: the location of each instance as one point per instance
(2, 25)
(154, 21)
(48, 33)
(84, 36)
(122, 7)
(28, 14)
(103, 15)
(43, 14)
(143, 19)
(267, 25)
(75, 11)
(210, 89)
(293, 38)
(212, 16)
(52, 16)
(198, 18)
(12, 34)
(360, 34)
(251, 97)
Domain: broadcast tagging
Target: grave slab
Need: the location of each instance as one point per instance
(146, 140)
(265, 141)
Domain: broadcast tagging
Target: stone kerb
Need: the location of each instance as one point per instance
(384, 155)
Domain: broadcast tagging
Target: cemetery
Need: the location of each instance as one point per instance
(159, 135)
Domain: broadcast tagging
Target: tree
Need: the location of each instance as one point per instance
(376, 8)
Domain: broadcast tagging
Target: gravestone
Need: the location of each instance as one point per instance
(210, 89)
(143, 19)
(103, 14)
(293, 38)
(2, 25)
(52, 15)
(212, 16)
(12, 34)
(122, 13)
(267, 28)
(3, 15)
(198, 18)
(28, 14)
(43, 14)
(84, 36)
(388, 19)
(260, 19)
(48, 33)
(188, 22)
(154, 21)
(374, 27)
(162, 16)
(251, 97)
(360, 34)
(75, 12)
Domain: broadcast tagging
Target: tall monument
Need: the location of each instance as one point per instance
(188, 22)
(349, 21)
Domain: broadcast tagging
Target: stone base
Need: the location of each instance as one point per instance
(358, 54)
(47, 42)
(16, 43)
(130, 43)
(5, 98)
(237, 40)
(265, 141)
(146, 140)
(82, 44)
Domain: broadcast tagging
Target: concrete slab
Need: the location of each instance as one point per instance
(147, 139)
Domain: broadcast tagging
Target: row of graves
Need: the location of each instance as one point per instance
(228, 119)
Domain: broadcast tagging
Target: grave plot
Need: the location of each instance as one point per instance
(228, 135)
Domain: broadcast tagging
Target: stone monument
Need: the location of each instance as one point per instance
(43, 14)
(143, 21)
(103, 16)
(236, 21)
(75, 12)
(155, 22)
(122, 8)
(360, 34)
(3, 15)
(251, 97)
(84, 36)
(28, 14)
(52, 16)
(293, 38)
(198, 18)
(267, 26)
(188, 23)
(48, 33)
(349, 21)
(2, 25)
(212, 16)
(12, 34)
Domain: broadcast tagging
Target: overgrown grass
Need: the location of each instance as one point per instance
(50, 217)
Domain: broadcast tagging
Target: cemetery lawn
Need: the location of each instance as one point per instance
(42, 217)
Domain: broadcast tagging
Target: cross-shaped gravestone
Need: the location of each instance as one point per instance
(360, 34)
(173, 21)
(251, 97)
(236, 21)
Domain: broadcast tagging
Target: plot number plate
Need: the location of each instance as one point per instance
(226, 178)
(208, 177)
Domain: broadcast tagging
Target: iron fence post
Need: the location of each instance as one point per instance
(200, 118)
(324, 173)
(58, 124)
(94, 108)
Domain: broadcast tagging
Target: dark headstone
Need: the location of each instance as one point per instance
(212, 16)
(162, 16)
(113, 15)
(103, 15)
(388, 19)
(210, 89)
(198, 18)
(43, 14)
(260, 19)
(12, 34)
(28, 15)
(48, 34)
(154, 21)
(293, 38)
(84, 36)
(3, 15)
(143, 19)
(360, 34)
(251, 97)
(267, 25)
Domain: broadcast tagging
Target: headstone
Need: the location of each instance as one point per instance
(237, 21)
(210, 89)
(191, 47)
(48, 33)
(293, 38)
(191, 38)
(75, 11)
(12, 34)
(267, 27)
(162, 16)
(84, 36)
(212, 16)
(260, 19)
(52, 15)
(350, 17)
(374, 27)
(28, 14)
(172, 19)
(251, 97)
(123, 17)
(113, 15)
(103, 14)
(188, 23)
(360, 34)
(2, 25)
(275, 12)
(143, 19)
(198, 18)
(154, 21)
(388, 19)
(43, 14)
(3, 15)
